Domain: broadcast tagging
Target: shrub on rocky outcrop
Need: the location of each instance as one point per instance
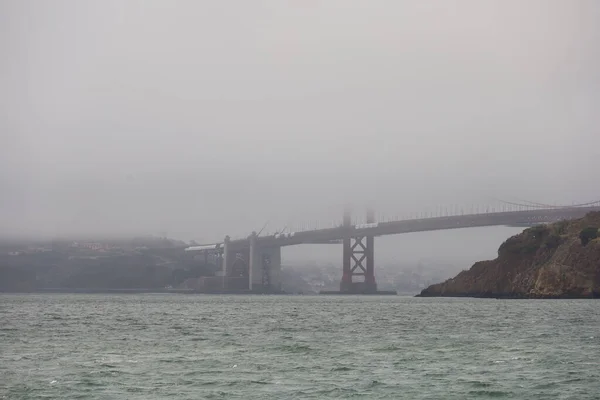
(526, 243)
(552, 241)
(587, 234)
(561, 227)
(537, 231)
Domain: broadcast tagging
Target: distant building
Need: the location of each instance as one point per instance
(92, 246)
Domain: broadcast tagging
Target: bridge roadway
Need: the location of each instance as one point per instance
(335, 235)
(254, 263)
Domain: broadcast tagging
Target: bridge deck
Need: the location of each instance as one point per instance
(333, 235)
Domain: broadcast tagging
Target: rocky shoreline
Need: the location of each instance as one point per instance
(514, 296)
(556, 261)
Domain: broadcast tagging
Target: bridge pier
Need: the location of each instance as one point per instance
(346, 283)
(234, 266)
(225, 260)
(358, 259)
(370, 284)
(252, 262)
(265, 267)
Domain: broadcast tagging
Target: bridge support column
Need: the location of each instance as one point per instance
(265, 268)
(346, 283)
(370, 284)
(252, 262)
(225, 260)
(358, 259)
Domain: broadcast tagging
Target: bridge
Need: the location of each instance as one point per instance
(253, 263)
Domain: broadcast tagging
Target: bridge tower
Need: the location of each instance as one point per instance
(265, 267)
(358, 258)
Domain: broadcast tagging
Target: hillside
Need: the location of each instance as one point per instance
(546, 261)
(139, 263)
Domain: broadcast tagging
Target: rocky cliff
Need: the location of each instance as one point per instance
(546, 261)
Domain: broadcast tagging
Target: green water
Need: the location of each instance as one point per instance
(284, 347)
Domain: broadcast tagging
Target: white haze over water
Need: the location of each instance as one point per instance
(199, 119)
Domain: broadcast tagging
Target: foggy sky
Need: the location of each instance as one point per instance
(204, 118)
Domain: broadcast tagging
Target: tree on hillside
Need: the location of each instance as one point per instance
(587, 234)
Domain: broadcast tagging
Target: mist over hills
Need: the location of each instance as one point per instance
(406, 263)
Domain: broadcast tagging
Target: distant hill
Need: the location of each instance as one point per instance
(561, 260)
(139, 263)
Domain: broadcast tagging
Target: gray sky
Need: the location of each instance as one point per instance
(206, 118)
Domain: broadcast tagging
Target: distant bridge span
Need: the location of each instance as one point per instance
(511, 218)
(262, 254)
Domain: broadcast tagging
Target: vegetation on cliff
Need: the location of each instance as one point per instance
(560, 260)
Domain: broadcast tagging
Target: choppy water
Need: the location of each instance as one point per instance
(261, 347)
